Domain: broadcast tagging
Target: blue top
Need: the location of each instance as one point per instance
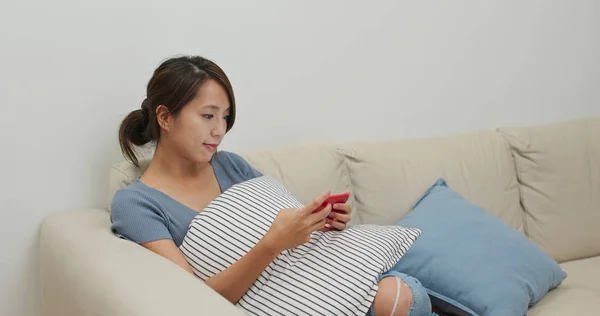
(141, 214)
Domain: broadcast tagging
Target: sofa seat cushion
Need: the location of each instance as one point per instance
(579, 294)
(583, 274)
(567, 301)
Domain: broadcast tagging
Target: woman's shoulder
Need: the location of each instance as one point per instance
(137, 215)
(135, 197)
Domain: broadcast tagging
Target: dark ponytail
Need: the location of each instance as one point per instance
(134, 131)
(174, 84)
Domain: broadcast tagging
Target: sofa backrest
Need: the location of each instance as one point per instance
(389, 177)
(543, 181)
(558, 167)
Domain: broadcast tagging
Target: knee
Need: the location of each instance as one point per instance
(394, 297)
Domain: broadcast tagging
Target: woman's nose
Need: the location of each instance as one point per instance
(219, 128)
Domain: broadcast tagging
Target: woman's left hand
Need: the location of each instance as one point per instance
(338, 218)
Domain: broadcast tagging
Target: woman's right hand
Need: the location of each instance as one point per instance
(292, 227)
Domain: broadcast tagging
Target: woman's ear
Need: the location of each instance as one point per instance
(163, 117)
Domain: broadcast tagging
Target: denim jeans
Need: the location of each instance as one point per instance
(421, 304)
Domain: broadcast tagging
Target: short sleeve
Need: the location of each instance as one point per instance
(137, 217)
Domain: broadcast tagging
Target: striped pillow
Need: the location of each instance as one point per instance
(336, 273)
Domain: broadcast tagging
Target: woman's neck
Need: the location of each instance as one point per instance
(168, 165)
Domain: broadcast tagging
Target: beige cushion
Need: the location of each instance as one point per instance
(306, 170)
(564, 301)
(579, 294)
(389, 177)
(558, 166)
(582, 274)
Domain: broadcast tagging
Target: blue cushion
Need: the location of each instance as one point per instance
(473, 260)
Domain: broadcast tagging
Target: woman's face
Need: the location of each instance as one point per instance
(201, 125)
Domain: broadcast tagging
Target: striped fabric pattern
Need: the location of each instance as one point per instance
(336, 273)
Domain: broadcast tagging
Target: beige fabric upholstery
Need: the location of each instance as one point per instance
(562, 301)
(558, 166)
(389, 177)
(579, 294)
(86, 270)
(583, 274)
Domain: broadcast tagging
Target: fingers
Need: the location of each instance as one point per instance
(319, 220)
(340, 217)
(337, 225)
(334, 221)
(327, 228)
(320, 215)
(320, 225)
(344, 208)
(310, 207)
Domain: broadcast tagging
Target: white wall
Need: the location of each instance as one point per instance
(302, 70)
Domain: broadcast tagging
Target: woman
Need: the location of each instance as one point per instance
(189, 108)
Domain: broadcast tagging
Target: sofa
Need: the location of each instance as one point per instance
(543, 181)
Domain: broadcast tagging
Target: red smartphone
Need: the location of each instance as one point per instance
(333, 199)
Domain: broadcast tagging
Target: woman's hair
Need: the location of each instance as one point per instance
(174, 84)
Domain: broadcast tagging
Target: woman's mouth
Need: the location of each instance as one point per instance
(211, 147)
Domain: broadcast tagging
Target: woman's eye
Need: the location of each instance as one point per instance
(208, 116)
(226, 117)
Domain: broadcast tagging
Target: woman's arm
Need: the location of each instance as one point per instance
(291, 228)
(234, 281)
(168, 249)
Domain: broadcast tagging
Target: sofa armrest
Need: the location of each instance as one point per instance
(87, 270)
